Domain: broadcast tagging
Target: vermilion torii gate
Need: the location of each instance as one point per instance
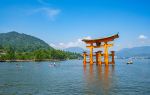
(100, 43)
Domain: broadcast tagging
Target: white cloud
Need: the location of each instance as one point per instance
(53, 45)
(76, 43)
(61, 44)
(142, 37)
(143, 40)
(51, 13)
(88, 37)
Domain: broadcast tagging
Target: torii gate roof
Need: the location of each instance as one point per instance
(99, 40)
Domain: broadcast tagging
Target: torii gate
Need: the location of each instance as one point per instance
(100, 43)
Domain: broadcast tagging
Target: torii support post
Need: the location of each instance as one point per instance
(98, 57)
(84, 57)
(113, 57)
(91, 54)
(106, 55)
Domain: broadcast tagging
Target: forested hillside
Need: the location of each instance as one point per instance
(21, 42)
(16, 46)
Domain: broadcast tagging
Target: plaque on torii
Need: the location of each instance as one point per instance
(100, 43)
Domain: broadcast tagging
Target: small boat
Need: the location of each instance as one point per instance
(130, 62)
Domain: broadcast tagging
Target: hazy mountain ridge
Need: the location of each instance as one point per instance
(134, 52)
(75, 49)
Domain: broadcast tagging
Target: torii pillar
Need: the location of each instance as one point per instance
(106, 54)
(98, 57)
(84, 57)
(113, 57)
(91, 53)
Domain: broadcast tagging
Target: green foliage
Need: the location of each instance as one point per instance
(11, 54)
(39, 55)
(42, 54)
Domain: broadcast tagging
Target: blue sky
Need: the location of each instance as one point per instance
(63, 23)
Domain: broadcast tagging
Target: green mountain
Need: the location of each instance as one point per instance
(143, 51)
(21, 42)
(16, 46)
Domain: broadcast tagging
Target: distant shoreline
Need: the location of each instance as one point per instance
(53, 60)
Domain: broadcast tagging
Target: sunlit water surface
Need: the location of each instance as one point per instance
(72, 78)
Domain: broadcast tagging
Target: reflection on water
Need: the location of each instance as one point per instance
(99, 78)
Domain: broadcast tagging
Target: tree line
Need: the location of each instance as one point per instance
(10, 53)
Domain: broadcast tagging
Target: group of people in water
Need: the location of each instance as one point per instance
(50, 65)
